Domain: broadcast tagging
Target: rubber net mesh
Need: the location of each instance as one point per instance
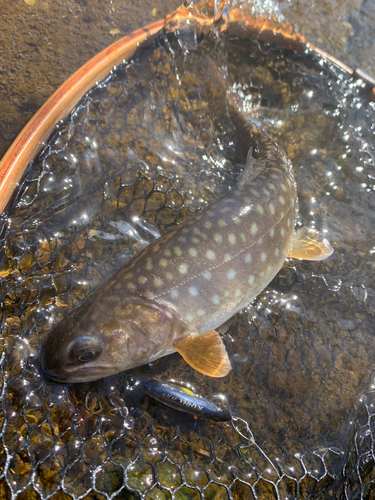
(142, 151)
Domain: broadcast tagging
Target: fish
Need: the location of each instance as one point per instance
(184, 399)
(178, 290)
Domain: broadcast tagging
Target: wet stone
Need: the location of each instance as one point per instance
(195, 476)
(158, 493)
(140, 476)
(27, 260)
(152, 449)
(48, 476)
(155, 201)
(41, 440)
(95, 450)
(68, 447)
(240, 491)
(20, 469)
(215, 491)
(169, 475)
(162, 184)
(77, 479)
(109, 478)
(124, 451)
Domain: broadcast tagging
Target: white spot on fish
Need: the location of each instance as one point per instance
(163, 262)
(271, 186)
(282, 232)
(193, 252)
(283, 187)
(260, 209)
(218, 238)
(183, 269)
(167, 252)
(231, 274)
(246, 199)
(208, 224)
(149, 264)
(232, 239)
(158, 282)
(238, 293)
(263, 257)
(169, 276)
(243, 237)
(216, 299)
(221, 223)
(142, 280)
(272, 232)
(271, 208)
(210, 255)
(174, 294)
(255, 192)
(181, 238)
(254, 228)
(266, 192)
(193, 291)
(281, 199)
(190, 317)
(251, 279)
(277, 251)
(201, 312)
(130, 286)
(225, 210)
(269, 268)
(227, 257)
(150, 295)
(195, 240)
(177, 251)
(288, 222)
(248, 258)
(208, 275)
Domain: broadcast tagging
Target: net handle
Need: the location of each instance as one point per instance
(30, 140)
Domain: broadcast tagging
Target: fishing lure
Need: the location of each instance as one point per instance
(181, 398)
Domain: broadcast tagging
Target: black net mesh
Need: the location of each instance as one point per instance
(142, 151)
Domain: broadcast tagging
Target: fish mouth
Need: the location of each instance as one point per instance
(69, 375)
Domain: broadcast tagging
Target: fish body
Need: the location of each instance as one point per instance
(176, 291)
(183, 399)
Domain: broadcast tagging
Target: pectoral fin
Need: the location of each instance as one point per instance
(206, 353)
(308, 244)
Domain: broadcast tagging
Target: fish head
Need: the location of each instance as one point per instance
(98, 340)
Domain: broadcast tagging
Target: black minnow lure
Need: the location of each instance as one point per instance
(183, 399)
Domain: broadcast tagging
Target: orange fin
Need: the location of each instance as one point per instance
(206, 353)
(308, 244)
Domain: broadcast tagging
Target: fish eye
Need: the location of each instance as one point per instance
(84, 349)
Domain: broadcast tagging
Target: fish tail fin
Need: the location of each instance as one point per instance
(309, 244)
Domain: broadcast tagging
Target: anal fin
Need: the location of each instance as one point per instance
(308, 244)
(206, 353)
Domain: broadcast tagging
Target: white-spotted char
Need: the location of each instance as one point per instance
(179, 289)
